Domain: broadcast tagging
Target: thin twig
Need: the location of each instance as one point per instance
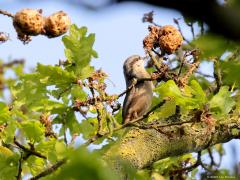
(211, 157)
(205, 75)
(64, 133)
(193, 67)
(192, 29)
(50, 169)
(65, 90)
(195, 165)
(148, 17)
(182, 63)
(217, 75)
(6, 13)
(180, 29)
(155, 61)
(29, 151)
(99, 118)
(135, 83)
(91, 101)
(14, 62)
(99, 115)
(128, 89)
(19, 175)
(157, 53)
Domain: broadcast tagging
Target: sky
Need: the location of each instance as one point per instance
(118, 28)
(119, 34)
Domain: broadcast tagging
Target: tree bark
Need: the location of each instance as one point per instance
(142, 147)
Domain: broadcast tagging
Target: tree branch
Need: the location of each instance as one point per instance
(28, 151)
(19, 175)
(50, 169)
(141, 147)
(6, 13)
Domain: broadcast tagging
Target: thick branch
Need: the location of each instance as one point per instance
(142, 147)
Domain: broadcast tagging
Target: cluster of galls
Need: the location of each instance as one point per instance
(168, 38)
(30, 22)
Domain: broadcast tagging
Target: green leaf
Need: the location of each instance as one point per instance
(230, 72)
(18, 69)
(222, 102)
(55, 75)
(60, 149)
(48, 149)
(77, 92)
(167, 165)
(9, 131)
(170, 89)
(72, 123)
(118, 116)
(79, 50)
(212, 45)
(52, 106)
(85, 72)
(84, 165)
(33, 130)
(30, 91)
(35, 164)
(196, 92)
(69, 121)
(4, 113)
(8, 164)
(5, 152)
(88, 127)
(166, 110)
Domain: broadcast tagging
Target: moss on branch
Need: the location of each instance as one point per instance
(142, 147)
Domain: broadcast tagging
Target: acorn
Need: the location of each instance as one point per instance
(57, 24)
(170, 39)
(28, 22)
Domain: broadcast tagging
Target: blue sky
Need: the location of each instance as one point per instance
(119, 34)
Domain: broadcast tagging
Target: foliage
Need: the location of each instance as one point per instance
(48, 98)
(51, 107)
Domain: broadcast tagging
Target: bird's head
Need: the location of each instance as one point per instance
(134, 67)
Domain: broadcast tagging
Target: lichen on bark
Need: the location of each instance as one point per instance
(142, 147)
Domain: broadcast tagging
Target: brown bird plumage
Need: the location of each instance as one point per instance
(138, 100)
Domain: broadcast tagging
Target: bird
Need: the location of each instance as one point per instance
(139, 98)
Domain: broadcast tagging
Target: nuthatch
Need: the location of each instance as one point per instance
(138, 100)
